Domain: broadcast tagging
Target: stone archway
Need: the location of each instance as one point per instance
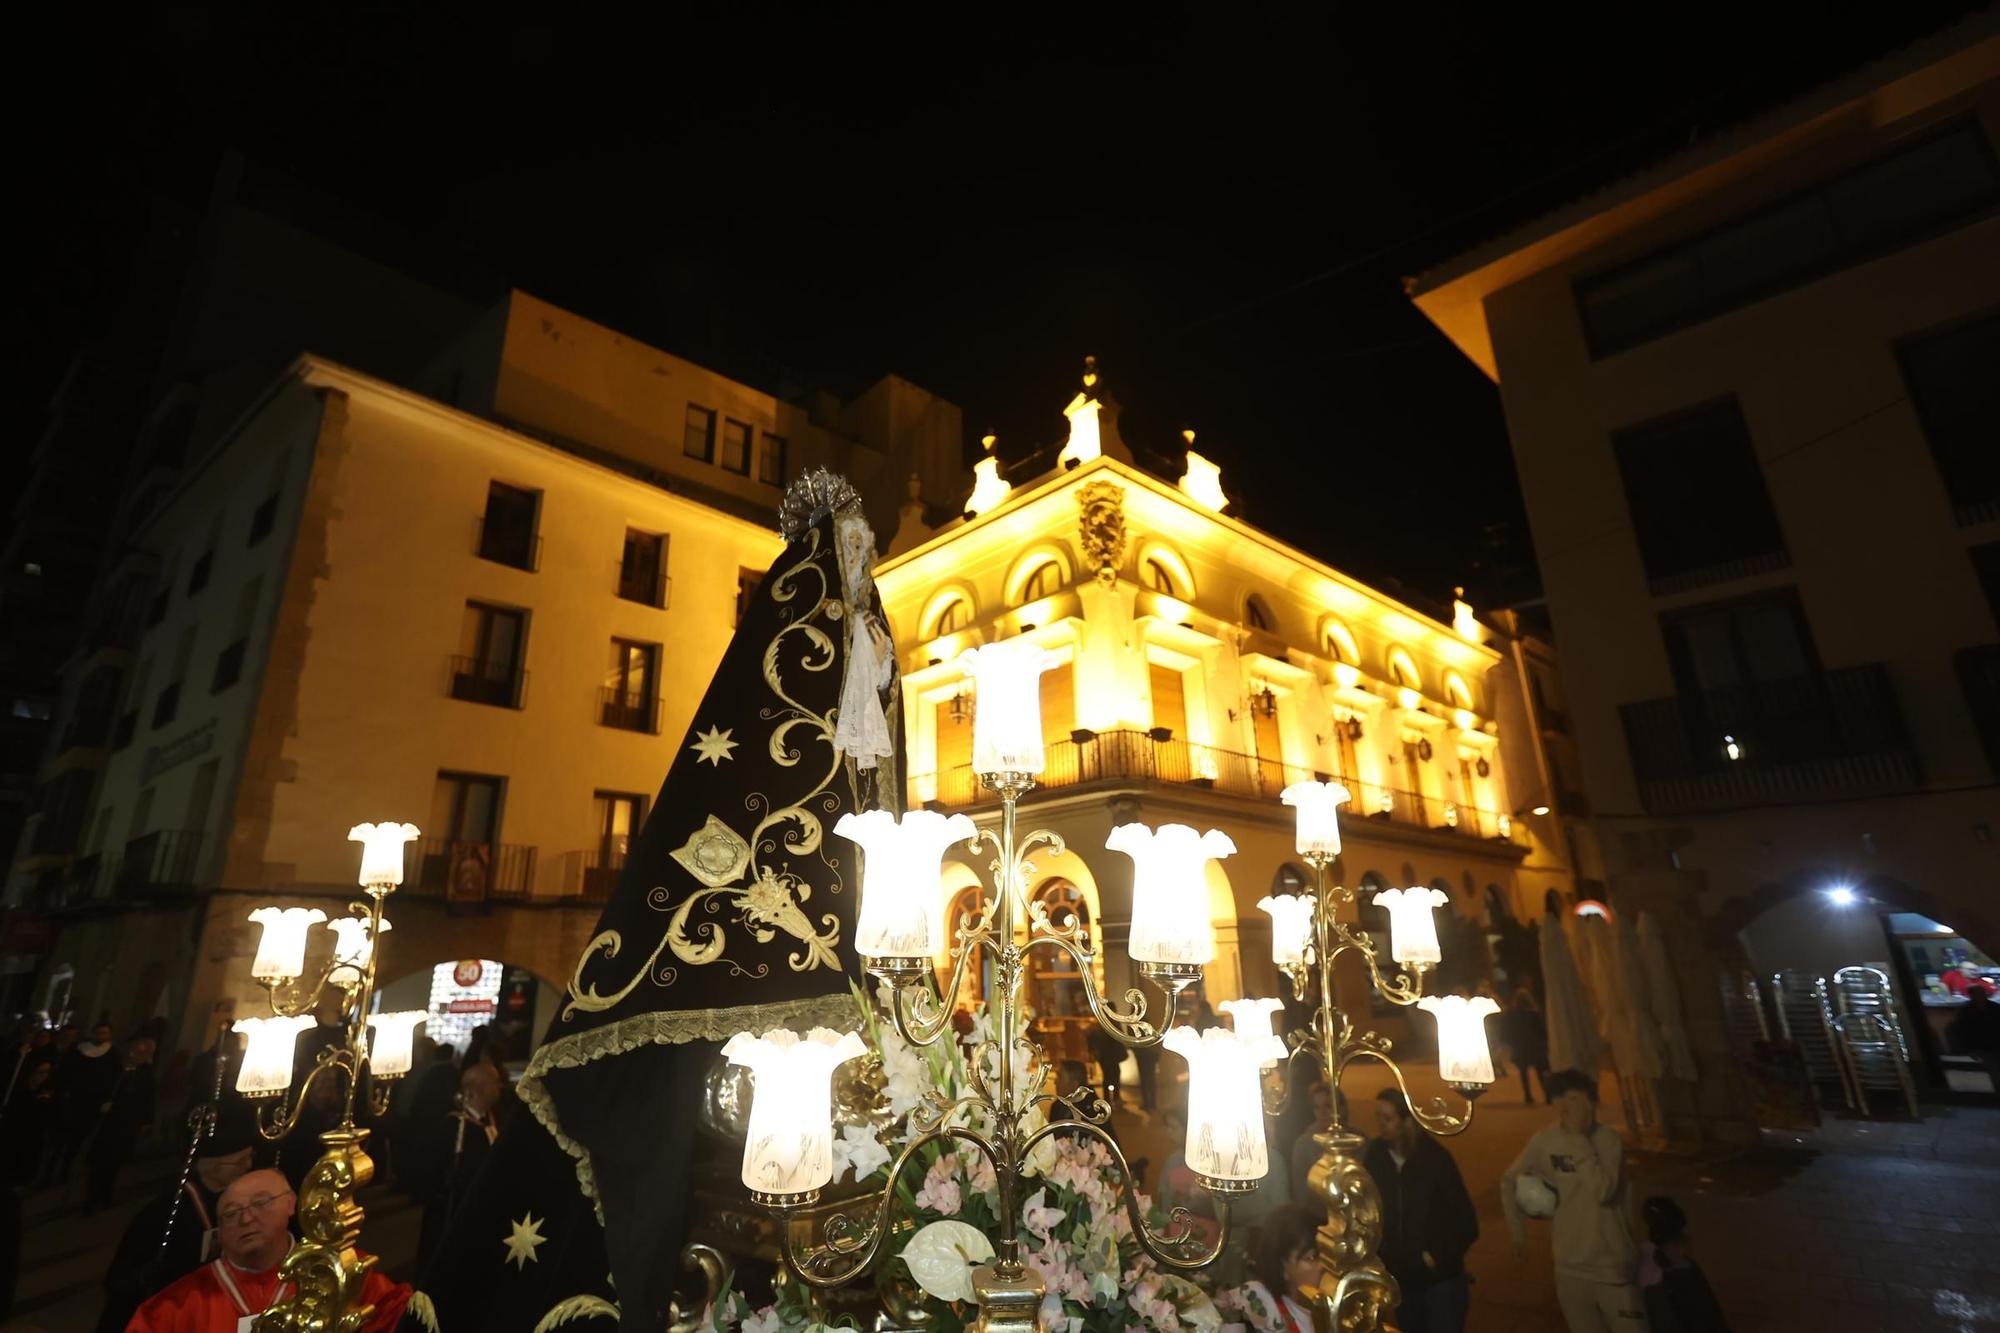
(1725, 924)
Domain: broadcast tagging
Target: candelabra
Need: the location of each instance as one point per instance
(322, 1277)
(1307, 937)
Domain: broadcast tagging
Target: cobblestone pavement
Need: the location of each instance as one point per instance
(1858, 1227)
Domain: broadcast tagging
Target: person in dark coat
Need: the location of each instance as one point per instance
(156, 1252)
(471, 1128)
(1975, 1031)
(1528, 1039)
(24, 1132)
(1678, 1297)
(85, 1077)
(1427, 1219)
(127, 1115)
(1109, 1052)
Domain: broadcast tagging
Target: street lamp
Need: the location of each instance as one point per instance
(321, 1279)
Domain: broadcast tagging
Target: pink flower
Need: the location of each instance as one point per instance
(939, 1192)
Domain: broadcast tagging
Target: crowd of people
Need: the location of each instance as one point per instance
(203, 1253)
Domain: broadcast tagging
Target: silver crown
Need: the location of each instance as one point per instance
(811, 497)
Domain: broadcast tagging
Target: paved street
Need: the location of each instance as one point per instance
(1860, 1228)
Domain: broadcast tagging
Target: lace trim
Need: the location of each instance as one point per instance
(663, 1028)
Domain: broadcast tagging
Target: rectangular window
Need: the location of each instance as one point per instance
(156, 612)
(698, 436)
(642, 572)
(1169, 699)
(630, 697)
(487, 669)
(169, 701)
(229, 663)
(619, 815)
(736, 446)
(507, 532)
(198, 575)
(1986, 564)
(771, 460)
(1697, 497)
(262, 519)
(459, 849)
(1916, 190)
(1954, 379)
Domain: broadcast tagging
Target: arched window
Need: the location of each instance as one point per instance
(1045, 579)
(1403, 668)
(1257, 615)
(1157, 577)
(956, 616)
(1340, 644)
(1459, 692)
(972, 988)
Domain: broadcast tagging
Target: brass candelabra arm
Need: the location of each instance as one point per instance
(1403, 987)
(1024, 874)
(1131, 1023)
(290, 1104)
(1288, 1079)
(853, 1241)
(380, 1090)
(920, 1017)
(1178, 1247)
(1434, 1114)
(290, 999)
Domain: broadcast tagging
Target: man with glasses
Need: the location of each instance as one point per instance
(226, 1296)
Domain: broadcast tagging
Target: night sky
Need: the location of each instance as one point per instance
(1219, 204)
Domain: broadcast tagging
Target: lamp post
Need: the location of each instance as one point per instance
(1355, 1289)
(322, 1277)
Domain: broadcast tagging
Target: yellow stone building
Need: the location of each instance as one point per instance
(1204, 665)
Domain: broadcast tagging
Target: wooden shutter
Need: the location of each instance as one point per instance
(1270, 753)
(1169, 700)
(1058, 702)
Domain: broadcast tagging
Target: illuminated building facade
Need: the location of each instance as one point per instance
(1203, 666)
(1751, 395)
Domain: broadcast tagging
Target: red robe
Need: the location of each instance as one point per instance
(200, 1303)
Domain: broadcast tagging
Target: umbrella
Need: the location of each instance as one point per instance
(1665, 994)
(1572, 1038)
(1621, 984)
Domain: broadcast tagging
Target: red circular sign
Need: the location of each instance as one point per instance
(468, 972)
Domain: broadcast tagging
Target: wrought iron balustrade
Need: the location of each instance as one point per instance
(628, 711)
(492, 681)
(468, 870)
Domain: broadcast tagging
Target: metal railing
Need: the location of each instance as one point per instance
(1828, 734)
(1160, 757)
(464, 870)
(163, 861)
(507, 544)
(592, 875)
(627, 711)
(647, 586)
(485, 681)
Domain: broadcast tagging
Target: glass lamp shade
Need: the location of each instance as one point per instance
(1463, 1056)
(389, 1048)
(1170, 922)
(267, 1059)
(1225, 1122)
(789, 1148)
(1413, 936)
(1007, 695)
(1318, 814)
(281, 950)
(1256, 1022)
(382, 851)
(902, 900)
(352, 946)
(1291, 927)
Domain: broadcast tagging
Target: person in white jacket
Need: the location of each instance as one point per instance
(1596, 1256)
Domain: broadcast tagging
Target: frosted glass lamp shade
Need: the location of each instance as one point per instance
(1256, 1023)
(1291, 927)
(1317, 806)
(281, 950)
(352, 945)
(1463, 1056)
(1007, 705)
(390, 1043)
(1225, 1122)
(1413, 936)
(902, 899)
(1170, 920)
(789, 1147)
(381, 851)
(267, 1057)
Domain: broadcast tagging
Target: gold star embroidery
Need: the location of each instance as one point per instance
(713, 745)
(521, 1244)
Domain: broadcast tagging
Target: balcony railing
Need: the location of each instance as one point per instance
(485, 681)
(644, 583)
(592, 875)
(163, 861)
(507, 544)
(628, 711)
(1838, 733)
(463, 870)
(1158, 757)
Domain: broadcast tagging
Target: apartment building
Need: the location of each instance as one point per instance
(1751, 392)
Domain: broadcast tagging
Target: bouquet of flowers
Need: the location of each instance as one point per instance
(1074, 1228)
